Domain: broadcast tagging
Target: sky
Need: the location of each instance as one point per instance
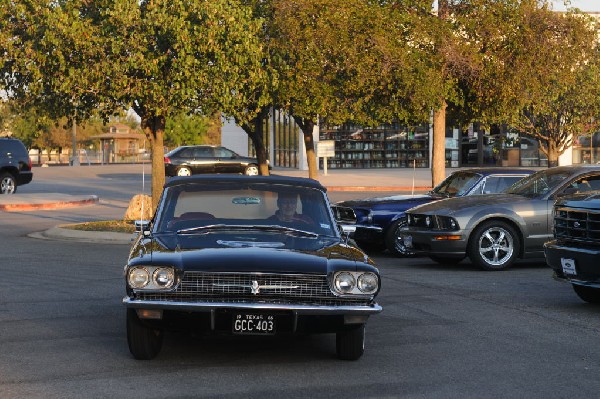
(584, 5)
(558, 5)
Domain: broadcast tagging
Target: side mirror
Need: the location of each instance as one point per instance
(345, 218)
(142, 227)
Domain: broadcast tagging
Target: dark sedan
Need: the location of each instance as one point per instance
(379, 219)
(197, 159)
(248, 256)
(494, 230)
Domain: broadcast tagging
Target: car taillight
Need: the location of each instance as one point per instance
(30, 163)
(167, 160)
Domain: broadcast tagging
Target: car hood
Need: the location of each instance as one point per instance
(392, 199)
(451, 205)
(169, 251)
(588, 201)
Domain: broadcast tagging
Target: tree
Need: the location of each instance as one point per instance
(185, 129)
(359, 61)
(160, 58)
(553, 68)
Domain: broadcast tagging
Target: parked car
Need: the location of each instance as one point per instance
(247, 256)
(493, 230)
(575, 250)
(15, 165)
(196, 159)
(380, 219)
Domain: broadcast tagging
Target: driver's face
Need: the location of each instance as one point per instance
(287, 205)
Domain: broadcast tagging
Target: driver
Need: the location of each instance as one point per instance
(287, 204)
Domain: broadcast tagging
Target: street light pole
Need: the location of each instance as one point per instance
(74, 154)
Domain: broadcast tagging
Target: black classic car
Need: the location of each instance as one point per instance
(494, 230)
(248, 255)
(575, 251)
(196, 159)
(380, 219)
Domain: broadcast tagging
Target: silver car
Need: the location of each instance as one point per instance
(494, 230)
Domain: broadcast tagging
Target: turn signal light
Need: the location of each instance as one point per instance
(450, 238)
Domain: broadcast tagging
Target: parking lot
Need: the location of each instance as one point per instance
(445, 332)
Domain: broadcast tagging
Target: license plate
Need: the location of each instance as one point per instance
(407, 240)
(568, 266)
(253, 324)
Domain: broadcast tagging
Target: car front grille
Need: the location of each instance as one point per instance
(577, 225)
(252, 288)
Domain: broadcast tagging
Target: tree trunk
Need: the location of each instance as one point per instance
(213, 133)
(438, 160)
(307, 126)
(552, 154)
(154, 128)
(254, 130)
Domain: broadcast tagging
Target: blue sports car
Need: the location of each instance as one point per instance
(378, 219)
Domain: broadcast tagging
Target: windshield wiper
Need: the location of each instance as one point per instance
(272, 228)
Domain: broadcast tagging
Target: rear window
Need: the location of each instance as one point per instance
(14, 147)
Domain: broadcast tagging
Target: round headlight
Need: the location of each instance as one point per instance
(344, 283)
(367, 283)
(138, 277)
(163, 277)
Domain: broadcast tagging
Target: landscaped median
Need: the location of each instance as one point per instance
(107, 232)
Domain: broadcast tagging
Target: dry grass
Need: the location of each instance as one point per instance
(116, 226)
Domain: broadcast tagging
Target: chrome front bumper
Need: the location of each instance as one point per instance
(211, 306)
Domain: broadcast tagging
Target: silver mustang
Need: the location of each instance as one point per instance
(494, 230)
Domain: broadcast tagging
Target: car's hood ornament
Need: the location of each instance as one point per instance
(255, 287)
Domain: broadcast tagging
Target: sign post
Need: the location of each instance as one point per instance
(325, 149)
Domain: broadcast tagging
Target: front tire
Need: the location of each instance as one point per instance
(8, 184)
(494, 245)
(350, 344)
(588, 294)
(394, 241)
(251, 170)
(144, 343)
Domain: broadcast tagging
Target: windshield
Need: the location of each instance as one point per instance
(457, 184)
(539, 184)
(204, 208)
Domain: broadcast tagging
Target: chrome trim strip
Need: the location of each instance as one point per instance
(209, 307)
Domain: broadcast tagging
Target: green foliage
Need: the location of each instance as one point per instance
(185, 129)
(368, 62)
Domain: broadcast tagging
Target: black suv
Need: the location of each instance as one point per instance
(575, 250)
(195, 159)
(15, 165)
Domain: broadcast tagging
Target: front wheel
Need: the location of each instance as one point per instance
(251, 170)
(494, 245)
(8, 185)
(588, 294)
(184, 171)
(394, 242)
(144, 343)
(350, 344)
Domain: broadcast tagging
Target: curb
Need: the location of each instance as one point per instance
(101, 237)
(44, 204)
